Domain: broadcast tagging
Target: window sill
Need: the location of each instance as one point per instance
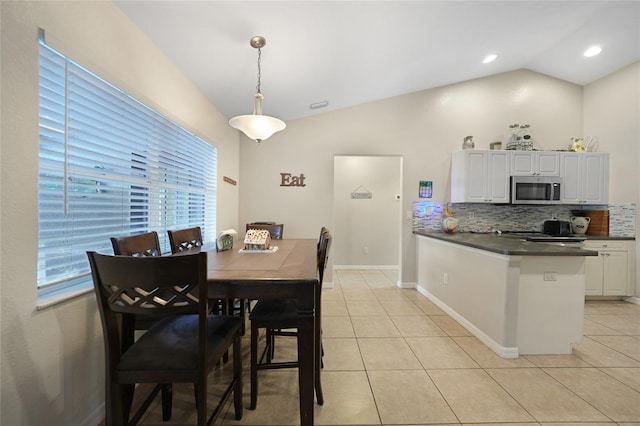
(49, 298)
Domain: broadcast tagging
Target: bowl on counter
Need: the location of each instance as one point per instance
(450, 224)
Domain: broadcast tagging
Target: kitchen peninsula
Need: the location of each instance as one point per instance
(516, 296)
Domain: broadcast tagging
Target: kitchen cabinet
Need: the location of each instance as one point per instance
(535, 163)
(611, 272)
(480, 176)
(585, 177)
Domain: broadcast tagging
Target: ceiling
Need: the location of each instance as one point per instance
(351, 52)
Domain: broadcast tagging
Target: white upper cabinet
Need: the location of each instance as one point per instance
(480, 176)
(535, 163)
(585, 177)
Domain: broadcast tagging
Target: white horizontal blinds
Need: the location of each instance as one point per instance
(110, 166)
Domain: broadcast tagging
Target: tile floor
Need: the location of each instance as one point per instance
(393, 358)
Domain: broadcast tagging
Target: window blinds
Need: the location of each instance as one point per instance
(110, 167)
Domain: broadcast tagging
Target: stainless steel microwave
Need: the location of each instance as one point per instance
(535, 189)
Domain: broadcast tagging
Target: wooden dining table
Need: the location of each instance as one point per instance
(288, 273)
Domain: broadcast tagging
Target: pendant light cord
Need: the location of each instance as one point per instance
(259, 60)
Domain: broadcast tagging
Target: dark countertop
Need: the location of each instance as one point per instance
(609, 237)
(505, 245)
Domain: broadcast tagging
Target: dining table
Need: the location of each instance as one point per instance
(290, 272)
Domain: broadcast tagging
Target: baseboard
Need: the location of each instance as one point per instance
(411, 285)
(96, 417)
(506, 352)
(366, 267)
(632, 299)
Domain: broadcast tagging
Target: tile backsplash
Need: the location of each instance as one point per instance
(427, 216)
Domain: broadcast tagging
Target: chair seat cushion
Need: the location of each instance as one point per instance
(172, 343)
(278, 310)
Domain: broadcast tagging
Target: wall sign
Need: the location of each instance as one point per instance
(287, 179)
(425, 189)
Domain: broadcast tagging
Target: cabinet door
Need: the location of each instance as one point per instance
(615, 273)
(570, 172)
(594, 271)
(548, 163)
(476, 176)
(498, 177)
(522, 163)
(595, 178)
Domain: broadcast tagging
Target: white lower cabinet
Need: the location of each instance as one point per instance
(611, 273)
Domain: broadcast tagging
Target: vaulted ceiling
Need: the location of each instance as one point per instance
(351, 52)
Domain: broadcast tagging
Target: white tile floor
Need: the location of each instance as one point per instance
(394, 358)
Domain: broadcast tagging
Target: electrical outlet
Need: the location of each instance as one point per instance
(550, 276)
(472, 215)
(365, 250)
(445, 279)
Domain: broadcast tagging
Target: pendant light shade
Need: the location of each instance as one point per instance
(257, 126)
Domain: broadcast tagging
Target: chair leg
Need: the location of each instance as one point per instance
(201, 401)
(237, 373)
(167, 401)
(254, 368)
(270, 341)
(117, 412)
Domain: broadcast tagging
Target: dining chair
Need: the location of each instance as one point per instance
(137, 245)
(184, 347)
(141, 245)
(190, 239)
(276, 230)
(279, 317)
(185, 239)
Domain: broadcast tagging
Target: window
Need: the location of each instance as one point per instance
(109, 166)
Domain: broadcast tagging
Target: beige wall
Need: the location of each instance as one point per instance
(423, 127)
(52, 360)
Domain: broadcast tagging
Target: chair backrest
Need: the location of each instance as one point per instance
(141, 245)
(276, 230)
(146, 285)
(185, 239)
(324, 245)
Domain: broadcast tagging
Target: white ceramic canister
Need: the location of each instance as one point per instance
(579, 224)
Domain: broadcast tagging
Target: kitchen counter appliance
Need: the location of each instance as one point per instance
(535, 189)
(556, 227)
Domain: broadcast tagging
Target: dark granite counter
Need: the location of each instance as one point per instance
(507, 245)
(609, 237)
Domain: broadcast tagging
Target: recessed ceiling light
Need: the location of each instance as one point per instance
(592, 51)
(489, 58)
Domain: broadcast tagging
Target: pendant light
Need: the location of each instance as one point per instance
(257, 126)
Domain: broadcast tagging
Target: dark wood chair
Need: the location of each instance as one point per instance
(137, 245)
(279, 317)
(141, 245)
(190, 239)
(184, 347)
(185, 239)
(276, 230)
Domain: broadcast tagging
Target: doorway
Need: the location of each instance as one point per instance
(367, 212)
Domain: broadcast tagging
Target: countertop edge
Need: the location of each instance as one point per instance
(508, 247)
